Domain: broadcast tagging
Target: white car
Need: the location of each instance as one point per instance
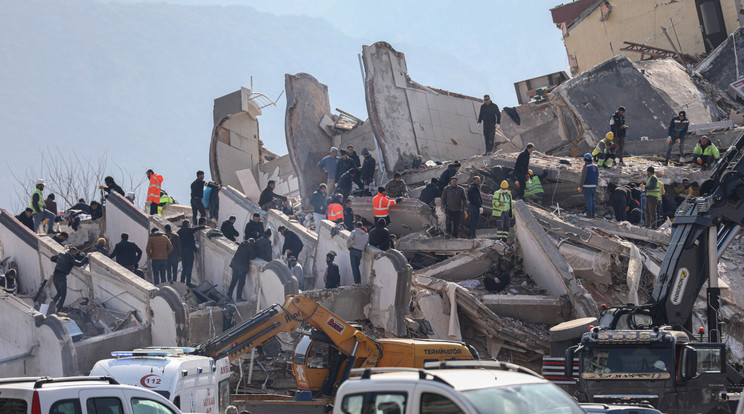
(452, 387)
(78, 395)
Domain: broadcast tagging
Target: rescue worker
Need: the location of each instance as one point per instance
(165, 200)
(618, 127)
(381, 205)
(40, 213)
(228, 229)
(604, 152)
(490, 115)
(357, 243)
(653, 194)
(430, 193)
(332, 276)
(335, 211)
(454, 202)
(448, 173)
(126, 253)
(589, 180)
(158, 248)
(348, 215)
(197, 194)
(475, 205)
(368, 172)
(64, 264)
(241, 265)
(153, 191)
(188, 250)
(620, 200)
(501, 208)
(344, 164)
(267, 197)
(683, 191)
(327, 166)
(292, 244)
(346, 181)
(521, 167)
(396, 187)
(676, 135)
(533, 190)
(705, 153)
(318, 201)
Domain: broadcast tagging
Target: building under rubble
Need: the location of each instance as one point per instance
(560, 264)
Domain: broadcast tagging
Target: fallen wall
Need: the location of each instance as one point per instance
(410, 120)
(124, 217)
(545, 264)
(410, 215)
(719, 68)
(390, 283)
(21, 244)
(91, 350)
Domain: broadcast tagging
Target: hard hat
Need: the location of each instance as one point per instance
(530, 172)
(587, 156)
(610, 135)
(504, 184)
(660, 365)
(700, 161)
(40, 181)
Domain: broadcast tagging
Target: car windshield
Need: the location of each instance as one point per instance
(627, 360)
(523, 399)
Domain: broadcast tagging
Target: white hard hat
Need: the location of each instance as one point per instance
(660, 365)
(333, 149)
(40, 181)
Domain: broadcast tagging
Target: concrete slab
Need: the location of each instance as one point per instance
(533, 309)
(411, 215)
(391, 292)
(464, 265)
(422, 242)
(348, 302)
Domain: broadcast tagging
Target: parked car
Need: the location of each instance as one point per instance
(78, 395)
(467, 387)
(619, 409)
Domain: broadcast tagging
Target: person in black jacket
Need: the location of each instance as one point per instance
(475, 205)
(81, 206)
(318, 201)
(126, 253)
(448, 173)
(368, 171)
(345, 182)
(65, 262)
(357, 164)
(263, 246)
(292, 244)
(188, 249)
(228, 229)
(266, 200)
(171, 272)
(430, 193)
(197, 193)
(618, 127)
(620, 200)
(344, 164)
(491, 117)
(522, 168)
(332, 276)
(112, 186)
(348, 215)
(26, 218)
(254, 228)
(96, 210)
(380, 236)
(241, 265)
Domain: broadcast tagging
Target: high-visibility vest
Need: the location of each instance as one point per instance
(381, 205)
(153, 191)
(41, 201)
(533, 186)
(653, 192)
(501, 202)
(335, 212)
(163, 201)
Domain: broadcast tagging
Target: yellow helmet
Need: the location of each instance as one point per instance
(610, 135)
(530, 172)
(504, 184)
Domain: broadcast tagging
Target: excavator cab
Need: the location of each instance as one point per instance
(311, 363)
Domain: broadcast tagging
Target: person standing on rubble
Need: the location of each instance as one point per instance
(604, 152)
(381, 205)
(40, 213)
(344, 164)
(348, 215)
(490, 116)
(188, 249)
(676, 135)
(328, 167)
(241, 265)
(589, 180)
(368, 172)
(396, 187)
(522, 167)
(197, 194)
(332, 276)
(127, 253)
(297, 271)
(158, 248)
(620, 200)
(153, 191)
(430, 193)
(64, 264)
(475, 205)
(501, 208)
(174, 256)
(357, 165)
(335, 211)
(318, 201)
(357, 243)
(449, 172)
(653, 195)
(618, 127)
(454, 202)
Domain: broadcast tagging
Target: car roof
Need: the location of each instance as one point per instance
(42, 383)
(617, 408)
(464, 379)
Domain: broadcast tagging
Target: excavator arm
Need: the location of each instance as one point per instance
(266, 324)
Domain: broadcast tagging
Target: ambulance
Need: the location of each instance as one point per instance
(194, 384)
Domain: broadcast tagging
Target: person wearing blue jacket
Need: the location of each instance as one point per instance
(589, 180)
(676, 135)
(328, 167)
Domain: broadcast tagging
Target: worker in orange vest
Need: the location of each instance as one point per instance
(336, 210)
(153, 191)
(381, 205)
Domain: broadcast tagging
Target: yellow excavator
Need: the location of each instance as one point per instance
(324, 359)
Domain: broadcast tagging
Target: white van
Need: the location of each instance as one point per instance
(192, 383)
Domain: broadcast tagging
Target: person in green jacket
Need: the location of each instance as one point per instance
(501, 210)
(533, 190)
(705, 153)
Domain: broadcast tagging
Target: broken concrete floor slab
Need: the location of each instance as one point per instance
(549, 310)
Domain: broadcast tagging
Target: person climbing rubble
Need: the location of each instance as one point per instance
(26, 218)
(241, 265)
(618, 129)
(153, 191)
(589, 180)
(111, 186)
(327, 166)
(188, 250)
(292, 244)
(64, 263)
(676, 135)
(269, 198)
(448, 173)
(490, 116)
(501, 209)
(430, 193)
(126, 253)
(396, 187)
(346, 181)
(521, 168)
(332, 276)
(165, 200)
(533, 190)
(705, 153)
(263, 246)
(604, 152)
